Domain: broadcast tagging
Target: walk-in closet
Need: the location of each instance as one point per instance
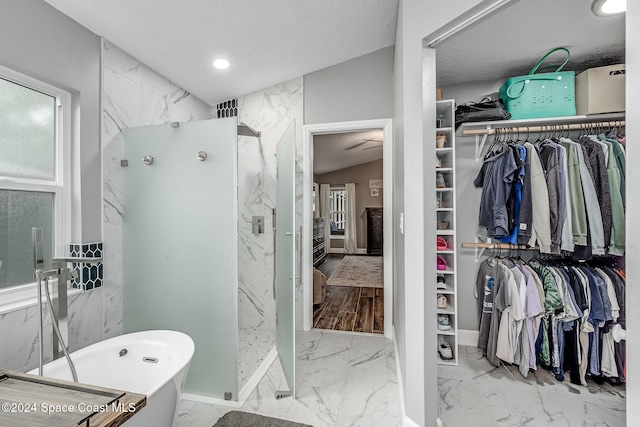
(540, 224)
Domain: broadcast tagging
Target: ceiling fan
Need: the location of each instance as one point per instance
(362, 143)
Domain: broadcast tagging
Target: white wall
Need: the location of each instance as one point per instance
(133, 95)
(415, 308)
(269, 111)
(358, 89)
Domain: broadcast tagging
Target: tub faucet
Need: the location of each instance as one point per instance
(123, 352)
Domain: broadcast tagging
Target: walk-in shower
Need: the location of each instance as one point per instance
(181, 236)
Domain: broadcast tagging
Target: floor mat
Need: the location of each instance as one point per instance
(364, 271)
(244, 419)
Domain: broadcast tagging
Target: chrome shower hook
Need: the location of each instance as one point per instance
(147, 160)
(202, 156)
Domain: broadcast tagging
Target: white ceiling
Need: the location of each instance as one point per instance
(510, 42)
(337, 151)
(267, 42)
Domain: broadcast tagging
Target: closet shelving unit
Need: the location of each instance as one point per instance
(446, 214)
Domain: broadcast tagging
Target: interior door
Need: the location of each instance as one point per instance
(285, 254)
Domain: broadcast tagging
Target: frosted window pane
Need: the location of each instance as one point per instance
(27, 132)
(19, 211)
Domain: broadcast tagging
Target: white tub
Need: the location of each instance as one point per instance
(162, 382)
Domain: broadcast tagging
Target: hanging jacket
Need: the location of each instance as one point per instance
(541, 229)
(617, 242)
(578, 211)
(549, 158)
(495, 178)
(595, 157)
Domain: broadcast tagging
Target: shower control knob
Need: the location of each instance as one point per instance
(202, 156)
(147, 160)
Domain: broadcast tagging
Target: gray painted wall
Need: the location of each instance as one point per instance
(358, 89)
(39, 41)
(360, 175)
(414, 303)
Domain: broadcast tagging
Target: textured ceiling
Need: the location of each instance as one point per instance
(341, 150)
(267, 42)
(510, 42)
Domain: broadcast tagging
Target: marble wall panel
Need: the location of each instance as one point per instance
(133, 95)
(269, 111)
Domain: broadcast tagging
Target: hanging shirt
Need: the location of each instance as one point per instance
(533, 312)
(488, 274)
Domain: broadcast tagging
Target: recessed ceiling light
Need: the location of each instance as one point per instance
(221, 64)
(608, 7)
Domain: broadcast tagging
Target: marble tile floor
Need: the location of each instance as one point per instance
(344, 379)
(477, 393)
(254, 345)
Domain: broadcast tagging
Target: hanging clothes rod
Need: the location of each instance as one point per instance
(545, 128)
(498, 246)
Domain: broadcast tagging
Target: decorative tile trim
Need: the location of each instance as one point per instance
(89, 275)
(227, 108)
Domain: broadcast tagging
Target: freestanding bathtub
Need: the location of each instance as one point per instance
(155, 364)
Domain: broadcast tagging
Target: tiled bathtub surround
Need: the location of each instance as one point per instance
(89, 275)
(269, 111)
(133, 95)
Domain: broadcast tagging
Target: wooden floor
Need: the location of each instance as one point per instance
(349, 308)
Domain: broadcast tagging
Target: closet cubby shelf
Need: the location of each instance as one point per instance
(446, 217)
(481, 130)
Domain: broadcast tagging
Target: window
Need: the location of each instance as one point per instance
(32, 175)
(337, 210)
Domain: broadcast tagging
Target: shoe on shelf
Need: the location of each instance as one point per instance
(442, 301)
(443, 322)
(438, 162)
(440, 181)
(440, 282)
(444, 350)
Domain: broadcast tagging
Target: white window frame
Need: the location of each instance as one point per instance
(338, 236)
(24, 295)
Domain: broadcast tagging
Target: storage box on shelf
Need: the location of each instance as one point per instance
(445, 248)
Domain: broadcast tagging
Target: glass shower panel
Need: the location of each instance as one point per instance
(180, 242)
(286, 254)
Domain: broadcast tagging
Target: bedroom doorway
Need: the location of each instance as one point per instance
(348, 216)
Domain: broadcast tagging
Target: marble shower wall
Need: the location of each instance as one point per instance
(269, 111)
(133, 95)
